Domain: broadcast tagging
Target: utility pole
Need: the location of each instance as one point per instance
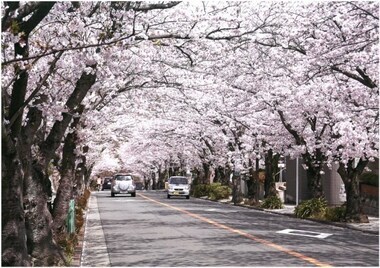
(297, 178)
(257, 181)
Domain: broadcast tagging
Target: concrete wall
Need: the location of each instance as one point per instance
(289, 176)
(331, 182)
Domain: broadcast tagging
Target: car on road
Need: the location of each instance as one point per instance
(123, 184)
(178, 186)
(107, 183)
(139, 185)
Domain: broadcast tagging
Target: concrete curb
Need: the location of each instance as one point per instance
(77, 258)
(76, 262)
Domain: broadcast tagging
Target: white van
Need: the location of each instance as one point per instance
(178, 186)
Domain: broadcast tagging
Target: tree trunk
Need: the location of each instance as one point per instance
(221, 176)
(153, 176)
(53, 140)
(196, 175)
(37, 187)
(87, 175)
(206, 176)
(314, 168)
(80, 174)
(252, 182)
(41, 245)
(313, 160)
(65, 188)
(314, 181)
(13, 243)
(350, 177)
(270, 169)
(235, 197)
(17, 166)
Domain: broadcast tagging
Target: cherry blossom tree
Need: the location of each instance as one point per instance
(140, 86)
(310, 93)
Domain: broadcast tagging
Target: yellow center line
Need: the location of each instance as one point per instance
(242, 233)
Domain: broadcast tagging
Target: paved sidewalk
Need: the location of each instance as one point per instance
(95, 252)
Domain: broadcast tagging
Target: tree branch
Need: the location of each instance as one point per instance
(162, 5)
(294, 133)
(364, 79)
(186, 54)
(138, 38)
(36, 90)
(53, 140)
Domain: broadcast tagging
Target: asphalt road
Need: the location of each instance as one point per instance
(151, 230)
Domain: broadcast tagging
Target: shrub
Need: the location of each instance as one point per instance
(335, 214)
(200, 190)
(68, 243)
(215, 191)
(81, 205)
(313, 208)
(273, 202)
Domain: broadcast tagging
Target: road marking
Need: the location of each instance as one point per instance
(242, 233)
(213, 210)
(127, 200)
(304, 233)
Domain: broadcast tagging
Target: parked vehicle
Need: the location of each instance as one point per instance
(178, 186)
(123, 184)
(107, 183)
(139, 185)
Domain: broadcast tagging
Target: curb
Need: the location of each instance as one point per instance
(78, 249)
(77, 257)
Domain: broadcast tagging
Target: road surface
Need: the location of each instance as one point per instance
(151, 230)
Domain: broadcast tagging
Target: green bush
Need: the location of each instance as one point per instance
(215, 191)
(370, 179)
(335, 214)
(200, 190)
(273, 202)
(313, 208)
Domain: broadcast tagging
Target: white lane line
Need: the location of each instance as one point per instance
(304, 233)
